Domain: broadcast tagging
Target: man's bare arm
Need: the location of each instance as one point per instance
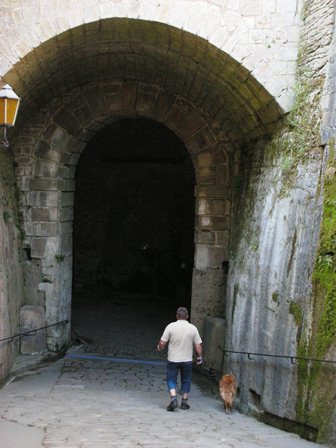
(199, 351)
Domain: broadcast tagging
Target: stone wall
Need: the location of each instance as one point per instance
(11, 279)
(316, 405)
(271, 298)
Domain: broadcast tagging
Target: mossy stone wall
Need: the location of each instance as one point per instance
(281, 290)
(317, 380)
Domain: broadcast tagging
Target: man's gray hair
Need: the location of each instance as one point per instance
(182, 313)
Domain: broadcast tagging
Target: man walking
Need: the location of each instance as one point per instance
(181, 337)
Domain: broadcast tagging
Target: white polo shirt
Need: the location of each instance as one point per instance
(181, 336)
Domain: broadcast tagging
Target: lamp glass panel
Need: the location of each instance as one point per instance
(3, 102)
(12, 107)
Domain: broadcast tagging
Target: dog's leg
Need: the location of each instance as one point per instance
(227, 408)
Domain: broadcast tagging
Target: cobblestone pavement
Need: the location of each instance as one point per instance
(89, 399)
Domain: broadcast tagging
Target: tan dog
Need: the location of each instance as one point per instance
(228, 391)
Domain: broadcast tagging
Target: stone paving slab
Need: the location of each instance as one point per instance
(14, 434)
(84, 403)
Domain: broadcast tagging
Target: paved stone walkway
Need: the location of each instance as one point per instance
(96, 403)
(91, 400)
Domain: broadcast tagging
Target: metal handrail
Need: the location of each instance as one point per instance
(291, 357)
(27, 333)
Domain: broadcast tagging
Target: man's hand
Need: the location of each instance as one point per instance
(161, 345)
(199, 360)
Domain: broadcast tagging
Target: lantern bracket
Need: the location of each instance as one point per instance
(5, 142)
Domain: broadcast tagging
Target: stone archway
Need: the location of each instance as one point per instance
(111, 70)
(51, 186)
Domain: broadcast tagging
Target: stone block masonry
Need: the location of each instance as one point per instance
(31, 318)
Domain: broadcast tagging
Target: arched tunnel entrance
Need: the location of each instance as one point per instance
(133, 235)
(85, 88)
(97, 235)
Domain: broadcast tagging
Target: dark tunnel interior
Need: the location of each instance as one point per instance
(133, 230)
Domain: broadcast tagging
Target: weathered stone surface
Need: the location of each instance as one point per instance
(45, 198)
(45, 229)
(68, 121)
(213, 207)
(269, 271)
(68, 185)
(41, 184)
(66, 214)
(209, 191)
(33, 277)
(32, 317)
(207, 295)
(210, 257)
(44, 214)
(67, 199)
(213, 342)
(44, 246)
(46, 168)
(47, 152)
(66, 228)
(146, 97)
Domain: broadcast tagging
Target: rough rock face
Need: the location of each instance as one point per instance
(269, 282)
(328, 136)
(279, 299)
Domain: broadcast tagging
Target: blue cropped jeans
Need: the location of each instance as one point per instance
(173, 369)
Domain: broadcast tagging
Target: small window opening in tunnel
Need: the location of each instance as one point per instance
(133, 235)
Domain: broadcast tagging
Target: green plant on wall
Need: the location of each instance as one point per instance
(296, 312)
(300, 131)
(324, 276)
(59, 258)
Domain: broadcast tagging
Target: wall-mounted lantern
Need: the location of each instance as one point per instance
(9, 105)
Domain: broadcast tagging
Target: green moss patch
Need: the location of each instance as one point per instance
(295, 310)
(275, 297)
(324, 276)
(300, 133)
